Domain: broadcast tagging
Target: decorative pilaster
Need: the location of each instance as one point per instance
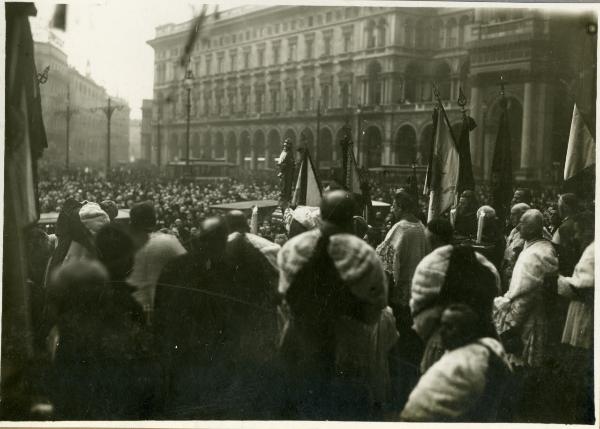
(526, 133)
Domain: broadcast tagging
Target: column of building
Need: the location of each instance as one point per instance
(527, 136)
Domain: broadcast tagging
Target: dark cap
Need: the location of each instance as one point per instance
(143, 217)
(338, 207)
(236, 221)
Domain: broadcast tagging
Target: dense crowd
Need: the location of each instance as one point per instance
(183, 204)
(315, 314)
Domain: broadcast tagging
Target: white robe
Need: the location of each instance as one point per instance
(454, 385)
(522, 306)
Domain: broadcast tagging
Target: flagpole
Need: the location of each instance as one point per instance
(318, 134)
(436, 92)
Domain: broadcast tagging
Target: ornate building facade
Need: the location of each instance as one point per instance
(68, 93)
(263, 74)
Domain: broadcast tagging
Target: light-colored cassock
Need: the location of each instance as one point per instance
(149, 261)
(269, 249)
(404, 246)
(514, 244)
(522, 307)
(453, 387)
(579, 325)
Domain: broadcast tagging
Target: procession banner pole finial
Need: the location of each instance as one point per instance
(503, 102)
(462, 101)
(436, 92)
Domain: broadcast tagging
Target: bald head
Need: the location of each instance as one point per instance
(212, 238)
(338, 207)
(532, 224)
(516, 212)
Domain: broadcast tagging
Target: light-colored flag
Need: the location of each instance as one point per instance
(581, 151)
(445, 169)
(254, 220)
(308, 189)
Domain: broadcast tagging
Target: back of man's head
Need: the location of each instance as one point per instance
(568, 204)
(115, 250)
(532, 224)
(522, 195)
(519, 209)
(212, 238)
(236, 221)
(142, 217)
(110, 207)
(405, 202)
(441, 232)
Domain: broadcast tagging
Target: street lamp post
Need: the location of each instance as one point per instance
(188, 83)
(108, 111)
(67, 113)
(358, 137)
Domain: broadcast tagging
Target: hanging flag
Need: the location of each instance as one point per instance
(427, 186)
(59, 19)
(254, 220)
(579, 173)
(502, 174)
(195, 30)
(352, 179)
(581, 150)
(465, 172)
(352, 174)
(308, 191)
(444, 169)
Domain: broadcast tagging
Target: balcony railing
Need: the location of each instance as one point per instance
(519, 28)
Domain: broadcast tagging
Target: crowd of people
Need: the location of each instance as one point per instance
(316, 315)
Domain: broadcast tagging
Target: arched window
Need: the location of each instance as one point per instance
(195, 146)
(438, 34)
(405, 145)
(373, 147)
(381, 32)
(412, 76)
(291, 134)
(409, 34)
(441, 77)
(325, 96)
(370, 34)
(219, 146)
(259, 150)
(451, 30)
(325, 149)
(275, 147)
(425, 145)
(344, 94)
(205, 146)
(464, 21)
(374, 83)
(245, 149)
(173, 148)
(420, 30)
(231, 155)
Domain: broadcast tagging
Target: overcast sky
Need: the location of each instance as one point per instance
(112, 35)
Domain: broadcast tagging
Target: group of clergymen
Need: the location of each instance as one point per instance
(325, 327)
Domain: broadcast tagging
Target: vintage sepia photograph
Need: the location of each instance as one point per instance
(342, 211)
